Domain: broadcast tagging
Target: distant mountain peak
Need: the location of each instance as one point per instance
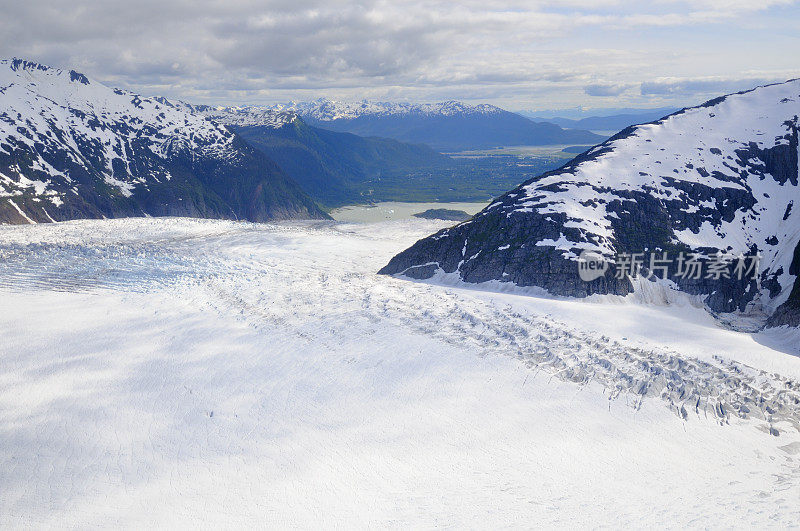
(37, 69)
(247, 115)
(445, 126)
(16, 64)
(324, 109)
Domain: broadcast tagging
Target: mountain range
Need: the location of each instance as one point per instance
(710, 182)
(612, 122)
(73, 148)
(707, 181)
(334, 168)
(448, 127)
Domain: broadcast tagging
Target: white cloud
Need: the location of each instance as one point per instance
(517, 51)
(605, 90)
(705, 85)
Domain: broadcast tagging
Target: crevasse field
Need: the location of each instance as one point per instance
(191, 373)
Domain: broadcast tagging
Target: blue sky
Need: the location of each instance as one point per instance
(534, 54)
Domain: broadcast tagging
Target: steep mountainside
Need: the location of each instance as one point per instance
(74, 148)
(448, 126)
(718, 178)
(334, 168)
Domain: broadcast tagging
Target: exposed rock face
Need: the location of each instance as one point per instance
(721, 177)
(788, 313)
(73, 148)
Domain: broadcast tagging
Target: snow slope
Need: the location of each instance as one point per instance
(718, 178)
(179, 372)
(72, 148)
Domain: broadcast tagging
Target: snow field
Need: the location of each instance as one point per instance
(167, 372)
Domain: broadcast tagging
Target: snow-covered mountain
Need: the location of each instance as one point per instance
(325, 110)
(74, 148)
(446, 126)
(247, 115)
(328, 110)
(718, 178)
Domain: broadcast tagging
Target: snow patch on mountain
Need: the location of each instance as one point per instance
(326, 110)
(247, 115)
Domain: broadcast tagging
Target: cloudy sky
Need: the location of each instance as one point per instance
(534, 54)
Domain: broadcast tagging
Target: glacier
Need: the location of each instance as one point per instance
(185, 372)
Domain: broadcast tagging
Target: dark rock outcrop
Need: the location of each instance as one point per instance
(788, 313)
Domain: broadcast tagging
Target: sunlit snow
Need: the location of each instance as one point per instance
(186, 372)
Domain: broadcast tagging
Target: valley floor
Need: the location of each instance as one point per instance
(204, 373)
